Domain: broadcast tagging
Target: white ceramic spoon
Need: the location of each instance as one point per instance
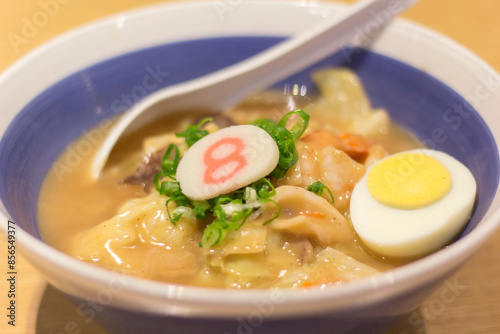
(226, 87)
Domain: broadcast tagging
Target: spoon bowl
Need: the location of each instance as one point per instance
(225, 88)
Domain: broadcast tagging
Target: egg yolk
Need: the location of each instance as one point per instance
(409, 181)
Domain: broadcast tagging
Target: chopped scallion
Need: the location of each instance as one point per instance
(318, 187)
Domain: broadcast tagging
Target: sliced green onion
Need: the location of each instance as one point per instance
(169, 165)
(193, 133)
(298, 129)
(285, 139)
(183, 211)
(212, 235)
(318, 187)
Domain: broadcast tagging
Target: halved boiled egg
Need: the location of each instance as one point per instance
(412, 203)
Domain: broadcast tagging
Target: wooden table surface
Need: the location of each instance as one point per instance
(476, 306)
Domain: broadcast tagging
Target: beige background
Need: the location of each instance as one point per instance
(472, 308)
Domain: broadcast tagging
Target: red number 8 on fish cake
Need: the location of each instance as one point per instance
(226, 160)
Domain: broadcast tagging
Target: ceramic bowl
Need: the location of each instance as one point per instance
(443, 93)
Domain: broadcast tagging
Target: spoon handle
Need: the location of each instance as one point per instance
(363, 20)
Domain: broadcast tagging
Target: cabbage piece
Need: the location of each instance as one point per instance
(349, 108)
(331, 267)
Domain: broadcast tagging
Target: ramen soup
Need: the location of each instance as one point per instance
(255, 197)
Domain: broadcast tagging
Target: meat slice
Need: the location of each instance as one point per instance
(148, 168)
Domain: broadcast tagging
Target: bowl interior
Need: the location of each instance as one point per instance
(44, 127)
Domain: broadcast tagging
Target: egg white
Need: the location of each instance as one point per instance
(404, 233)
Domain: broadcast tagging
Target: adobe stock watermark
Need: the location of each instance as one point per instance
(455, 116)
(150, 82)
(363, 36)
(263, 310)
(31, 24)
(223, 7)
(89, 308)
(447, 295)
(75, 153)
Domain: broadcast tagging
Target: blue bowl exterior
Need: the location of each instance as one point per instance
(66, 110)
